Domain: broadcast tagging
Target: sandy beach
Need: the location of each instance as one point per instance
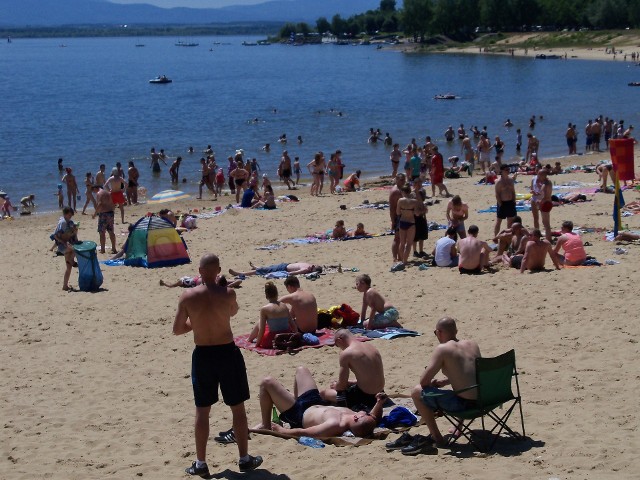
(94, 385)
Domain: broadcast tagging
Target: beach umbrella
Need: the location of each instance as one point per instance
(168, 196)
(621, 150)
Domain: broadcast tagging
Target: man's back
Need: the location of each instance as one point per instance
(459, 365)
(365, 362)
(304, 308)
(470, 249)
(210, 309)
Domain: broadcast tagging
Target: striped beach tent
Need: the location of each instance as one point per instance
(155, 243)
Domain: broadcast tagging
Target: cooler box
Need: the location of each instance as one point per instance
(89, 273)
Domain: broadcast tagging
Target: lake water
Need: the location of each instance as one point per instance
(91, 103)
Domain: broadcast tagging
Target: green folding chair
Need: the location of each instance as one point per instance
(494, 384)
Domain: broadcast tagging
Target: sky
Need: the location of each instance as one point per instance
(192, 3)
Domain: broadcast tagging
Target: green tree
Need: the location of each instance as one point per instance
(634, 14)
(323, 25)
(416, 18)
(338, 25)
(608, 14)
(303, 28)
(387, 5)
(286, 30)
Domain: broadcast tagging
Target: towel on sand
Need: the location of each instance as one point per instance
(325, 335)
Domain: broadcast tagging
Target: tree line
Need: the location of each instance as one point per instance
(461, 19)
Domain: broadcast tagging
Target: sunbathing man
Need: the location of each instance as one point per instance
(299, 268)
(216, 361)
(364, 360)
(382, 314)
(627, 237)
(536, 252)
(515, 253)
(474, 253)
(572, 245)
(306, 412)
(304, 307)
(456, 358)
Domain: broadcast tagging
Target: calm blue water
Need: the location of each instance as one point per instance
(91, 103)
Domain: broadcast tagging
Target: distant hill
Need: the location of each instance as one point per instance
(20, 13)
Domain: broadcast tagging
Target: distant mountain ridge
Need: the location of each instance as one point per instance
(20, 13)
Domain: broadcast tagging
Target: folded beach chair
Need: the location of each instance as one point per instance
(494, 378)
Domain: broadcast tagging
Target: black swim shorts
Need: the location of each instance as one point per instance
(286, 173)
(294, 415)
(356, 399)
(470, 271)
(219, 365)
(507, 209)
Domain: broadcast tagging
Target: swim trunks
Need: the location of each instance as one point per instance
(105, 222)
(459, 227)
(219, 365)
(286, 173)
(449, 401)
(295, 414)
(118, 198)
(132, 184)
(470, 271)
(239, 181)
(507, 209)
(280, 267)
(156, 168)
(355, 399)
(516, 261)
(386, 318)
(190, 282)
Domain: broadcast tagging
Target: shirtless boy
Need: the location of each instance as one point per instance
(365, 361)
(381, 314)
(457, 213)
(216, 361)
(456, 359)
(105, 212)
(474, 253)
(506, 199)
(306, 413)
(304, 307)
(535, 253)
(394, 196)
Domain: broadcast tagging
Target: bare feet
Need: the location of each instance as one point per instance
(233, 272)
(162, 284)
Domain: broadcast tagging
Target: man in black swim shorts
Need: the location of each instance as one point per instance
(216, 361)
(505, 191)
(308, 415)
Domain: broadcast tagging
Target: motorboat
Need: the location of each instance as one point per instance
(543, 56)
(445, 96)
(186, 44)
(634, 84)
(161, 79)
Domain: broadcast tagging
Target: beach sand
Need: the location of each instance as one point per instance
(94, 385)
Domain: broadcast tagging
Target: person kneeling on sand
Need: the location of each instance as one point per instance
(571, 243)
(456, 358)
(307, 413)
(382, 314)
(365, 361)
(274, 318)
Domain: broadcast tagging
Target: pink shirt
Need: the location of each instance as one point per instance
(573, 248)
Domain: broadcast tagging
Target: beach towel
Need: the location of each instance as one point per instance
(113, 263)
(388, 333)
(347, 440)
(325, 336)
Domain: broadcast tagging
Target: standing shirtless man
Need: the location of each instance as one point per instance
(207, 310)
(506, 197)
(484, 147)
(394, 196)
(132, 184)
(365, 361)
(457, 213)
(104, 210)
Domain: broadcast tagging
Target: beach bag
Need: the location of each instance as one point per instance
(348, 315)
(324, 319)
(287, 341)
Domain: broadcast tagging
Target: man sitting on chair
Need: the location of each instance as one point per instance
(456, 358)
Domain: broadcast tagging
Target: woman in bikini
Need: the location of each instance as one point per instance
(334, 173)
(406, 212)
(274, 318)
(317, 167)
(88, 193)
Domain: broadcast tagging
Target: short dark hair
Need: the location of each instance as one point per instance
(292, 281)
(504, 167)
(568, 224)
(452, 231)
(364, 278)
(473, 230)
(164, 211)
(67, 210)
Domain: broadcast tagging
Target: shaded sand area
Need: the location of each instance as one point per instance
(94, 385)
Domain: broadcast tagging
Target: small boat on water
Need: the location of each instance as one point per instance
(542, 56)
(445, 96)
(186, 44)
(161, 79)
(634, 84)
(249, 44)
(264, 43)
(139, 44)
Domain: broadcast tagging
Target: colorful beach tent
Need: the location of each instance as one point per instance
(168, 196)
(155, 243)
